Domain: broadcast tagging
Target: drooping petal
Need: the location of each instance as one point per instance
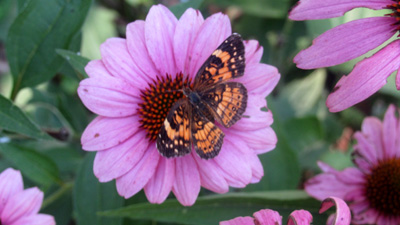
(185, 33)
(137, 48)
(118, 160)
(133, 181)
(367, 77)
(257, 169)
(256, 116)
(210, 175)
(260, 79)
(96, 68)
(239, 221)
(253, 52)
(187, 180)
(346, 42)
(300, 217)
(160, 185)
(10, 184)
(261, 141)
(268, 217)
(315, 9)
(103, 132)
(159, 33)
(389, 133)
(39, 219)
(343, 215)
(119, 63)
(207, 40)
(109, 96)
(24, 203)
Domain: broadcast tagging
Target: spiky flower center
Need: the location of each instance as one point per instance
(158, 99)
(395, 7)
(383, 187)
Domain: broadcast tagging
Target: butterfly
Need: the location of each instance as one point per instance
(211, 98)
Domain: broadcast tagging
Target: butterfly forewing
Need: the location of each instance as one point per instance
(228, 101)
(225, 63)
(206, 136)
(174, 137)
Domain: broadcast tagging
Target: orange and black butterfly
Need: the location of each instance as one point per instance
(212, 97)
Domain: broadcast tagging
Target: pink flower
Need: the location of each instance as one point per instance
(153, 55)
(297, 217)
(373, 187)
(351, 40)
(19, 206)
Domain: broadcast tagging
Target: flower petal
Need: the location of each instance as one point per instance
(211, 34)
(24, 203)
(160, 185)
(256, 167)
(398, 79)
(187, 180)
(315, 9)
(133, 181)
(10, 184)
(185, 33)
(367, 77)
(260, 79)
(136, 43)
(210, 175)
(96, 68)
(239, 221)
(261, 141)
(389, 133)
(118, 160)
(38, 219)
(346, 42)
(372, 129)
(254, 118)
(159, 33)
(253, 52)
(343, 215)
(109, 96)
(119, 63)
(300, 217)
(103, 133)
(267, 217)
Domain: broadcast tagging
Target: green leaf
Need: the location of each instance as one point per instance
(13, 119)
(216, 208)
(75, 60)
(36, 166)
(42, 27)
(180, 8)
(91, 197)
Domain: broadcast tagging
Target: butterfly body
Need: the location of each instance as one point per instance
(211, 98)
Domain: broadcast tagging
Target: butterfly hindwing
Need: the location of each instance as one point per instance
(228, 101)
(206, 136)
(174, 138)
(225, 63)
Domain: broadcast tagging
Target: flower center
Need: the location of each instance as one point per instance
(158, 99)
(383, 187)
(396, 12)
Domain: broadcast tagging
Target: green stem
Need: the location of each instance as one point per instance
(66, 187)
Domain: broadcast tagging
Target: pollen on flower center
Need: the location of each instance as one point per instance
(396, 12)
(383, 187)
(158, 99)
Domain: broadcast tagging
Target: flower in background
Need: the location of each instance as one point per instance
(373, 187)
(154, 55)
(297, 217)
(19, 206)
(351, 40)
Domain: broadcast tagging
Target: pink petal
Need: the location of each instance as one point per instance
(187, 180)
(137, 48)
(346, 42)
(24, 203)
(367, 77)
(159, 33)
(39, 219)
(315, 9)
(364, 148)
(211, 176)
(119, 62)
(118, 160)
(261, 141)
(367, 217)
(359, 207)
(103, 133)
(239, 221)
(185, 33)
(133, 181)
(300, 217)
(398, 79)
(343, 215)
(260, 79)
(10, 184)
(160, 185)
(389, 134)
(211, 34)
(96, 68)
(372, 129)
(254, 118)
(267, 217)
(109, 96)
(253, 52)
